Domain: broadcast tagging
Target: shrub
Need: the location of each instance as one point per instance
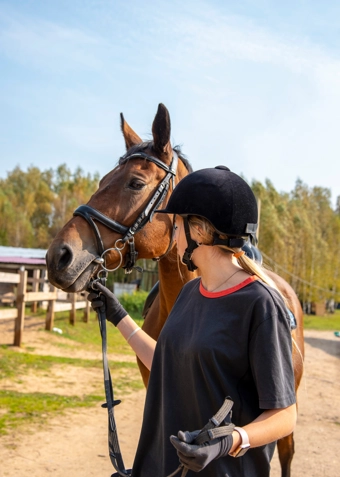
(133, 303)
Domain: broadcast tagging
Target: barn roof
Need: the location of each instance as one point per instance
(22, 256)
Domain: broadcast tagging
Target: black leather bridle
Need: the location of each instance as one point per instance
(92, 215)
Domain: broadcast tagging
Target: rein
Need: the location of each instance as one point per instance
(114, 449)
(91, 215)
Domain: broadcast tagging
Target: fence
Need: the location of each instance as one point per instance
(23, 297)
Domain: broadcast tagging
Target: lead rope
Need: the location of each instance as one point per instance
(211, 430)
(179, 468)
(114, 449)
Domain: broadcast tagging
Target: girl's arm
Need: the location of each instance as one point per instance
(141, 343)
(269, 426)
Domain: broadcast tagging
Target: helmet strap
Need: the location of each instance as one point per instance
(231, 242)
(190, 248)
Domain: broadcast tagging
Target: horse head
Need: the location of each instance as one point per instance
(118, 219)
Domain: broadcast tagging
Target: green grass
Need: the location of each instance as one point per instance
(25, 408)
(22, 409)
(14, 364)
(89, 333)
(326, 323)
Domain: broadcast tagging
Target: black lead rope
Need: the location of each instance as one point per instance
(114, 449)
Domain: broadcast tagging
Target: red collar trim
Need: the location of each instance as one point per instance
(228, 291)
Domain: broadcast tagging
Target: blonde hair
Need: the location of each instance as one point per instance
(207, 233)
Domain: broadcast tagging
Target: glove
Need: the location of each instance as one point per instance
(104, 297)
(197, 457)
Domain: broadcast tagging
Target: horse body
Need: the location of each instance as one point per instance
(72, 258)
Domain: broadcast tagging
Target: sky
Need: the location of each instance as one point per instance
(253, 85)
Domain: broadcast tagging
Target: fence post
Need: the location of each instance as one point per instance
(35, 288)
(50, 312)
(73, 309)
(86, 316)
(20, 320)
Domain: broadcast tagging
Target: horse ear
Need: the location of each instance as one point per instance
(161, 129)
(131, 138)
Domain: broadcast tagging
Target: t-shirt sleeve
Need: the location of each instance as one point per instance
(270, 352)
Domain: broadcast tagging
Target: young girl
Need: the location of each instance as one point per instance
(228, 335)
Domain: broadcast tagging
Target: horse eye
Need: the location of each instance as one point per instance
(136, 184)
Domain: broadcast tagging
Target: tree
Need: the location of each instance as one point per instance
(34, 205)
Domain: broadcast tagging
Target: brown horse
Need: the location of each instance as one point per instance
(119, 221)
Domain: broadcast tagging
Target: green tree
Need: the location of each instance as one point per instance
(298, 232)
(70, 191)
(34, 205)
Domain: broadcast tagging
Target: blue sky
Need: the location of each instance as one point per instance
(254, 85)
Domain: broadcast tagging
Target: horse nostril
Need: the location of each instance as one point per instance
(65, 258)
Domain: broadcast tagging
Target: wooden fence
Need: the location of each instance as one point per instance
(23, 297)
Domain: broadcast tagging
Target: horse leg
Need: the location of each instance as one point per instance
(285, 447)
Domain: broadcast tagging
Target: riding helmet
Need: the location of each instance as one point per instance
(221, 197)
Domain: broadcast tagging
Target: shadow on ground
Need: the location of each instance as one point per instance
(328, 346)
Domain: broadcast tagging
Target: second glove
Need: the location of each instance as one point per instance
(197, 457)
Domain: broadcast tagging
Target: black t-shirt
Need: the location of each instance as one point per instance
(233, 343)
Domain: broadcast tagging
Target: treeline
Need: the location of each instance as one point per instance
(35, 204)
(299, 232)
(300, 237)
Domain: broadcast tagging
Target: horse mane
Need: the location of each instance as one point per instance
(149, 144)
(183, 158)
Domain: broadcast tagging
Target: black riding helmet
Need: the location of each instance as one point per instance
(223, 198)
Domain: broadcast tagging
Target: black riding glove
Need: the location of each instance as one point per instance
(197, 457)
(103, 296)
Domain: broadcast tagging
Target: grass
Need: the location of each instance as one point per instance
(14, 364)
(19, 409)
(326, 323)
(89, 334)
(25, 408)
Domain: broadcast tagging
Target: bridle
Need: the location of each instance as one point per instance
(128, 233)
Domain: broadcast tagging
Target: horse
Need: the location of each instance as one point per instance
(118, 224)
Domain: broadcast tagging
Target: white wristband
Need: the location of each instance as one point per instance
(242, 449)
(132, 333)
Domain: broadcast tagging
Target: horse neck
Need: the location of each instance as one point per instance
(172, 276)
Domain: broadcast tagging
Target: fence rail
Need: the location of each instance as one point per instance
(23, 297)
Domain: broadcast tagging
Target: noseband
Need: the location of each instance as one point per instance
(91, 215)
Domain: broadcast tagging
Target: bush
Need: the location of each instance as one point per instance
(133, 303)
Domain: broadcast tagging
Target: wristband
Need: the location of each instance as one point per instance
(132, 333)
(244, 446)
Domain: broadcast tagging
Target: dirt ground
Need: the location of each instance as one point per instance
(75, 444)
